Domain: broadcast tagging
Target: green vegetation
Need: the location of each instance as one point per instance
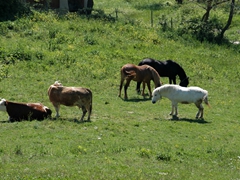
(131, 139)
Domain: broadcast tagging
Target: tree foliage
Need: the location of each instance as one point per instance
(209, 28)
(209, 5)
(11, 9)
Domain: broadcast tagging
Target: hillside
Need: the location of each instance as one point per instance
(131, 139)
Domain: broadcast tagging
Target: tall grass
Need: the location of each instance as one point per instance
(126, 139)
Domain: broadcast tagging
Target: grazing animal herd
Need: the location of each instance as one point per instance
(146, 71)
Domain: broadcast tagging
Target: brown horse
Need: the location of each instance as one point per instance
(142, 73)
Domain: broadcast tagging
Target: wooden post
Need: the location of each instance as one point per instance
(64, 5)
(151, 18)
(116, 11)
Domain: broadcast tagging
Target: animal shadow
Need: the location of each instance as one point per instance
(177, 119)
(70, 120)
(136, 99)
(4, 121)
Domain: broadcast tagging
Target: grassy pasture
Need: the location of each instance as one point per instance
(126, 139)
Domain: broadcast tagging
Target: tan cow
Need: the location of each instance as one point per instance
(70, 96)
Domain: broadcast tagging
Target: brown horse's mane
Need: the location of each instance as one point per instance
(156, 77)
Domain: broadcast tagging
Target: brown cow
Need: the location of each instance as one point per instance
(25, 111)
(70, 96)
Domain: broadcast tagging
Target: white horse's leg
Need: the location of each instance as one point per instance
(200, 109)
(174, 108)
(171, 113)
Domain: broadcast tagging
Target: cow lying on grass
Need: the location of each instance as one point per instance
(25, 111)
(184, 95)
(70, 96)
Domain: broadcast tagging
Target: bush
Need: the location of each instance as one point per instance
(12, 8)
(201, 30)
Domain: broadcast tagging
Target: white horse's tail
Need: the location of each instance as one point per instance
(205, 99)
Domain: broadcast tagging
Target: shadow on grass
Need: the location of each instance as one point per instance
(137, 99)
(51, 119)
(176, 119)
(4, 121)
(70, 120)
(200, 121)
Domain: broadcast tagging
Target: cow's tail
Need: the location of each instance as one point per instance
(205, 99)
(90, 110)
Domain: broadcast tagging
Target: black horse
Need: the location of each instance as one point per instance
(168, 69)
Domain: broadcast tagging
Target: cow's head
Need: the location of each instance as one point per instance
(3, 105)
(57, 83)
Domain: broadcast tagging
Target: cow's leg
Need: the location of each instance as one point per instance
(57, 107)
(89, 110)
(84, 113)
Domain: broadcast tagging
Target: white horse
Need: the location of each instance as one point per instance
(184, 95)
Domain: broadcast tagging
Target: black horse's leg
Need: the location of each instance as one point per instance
(174, 80)
(138, 87)
(170, 80)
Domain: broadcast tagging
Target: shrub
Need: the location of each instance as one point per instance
(201, 30)
(12, 8)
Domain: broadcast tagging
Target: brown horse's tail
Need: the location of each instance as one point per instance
(129, 73)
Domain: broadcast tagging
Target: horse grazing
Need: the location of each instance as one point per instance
(166, 68)
(70, 96)
(143, 74)
(185, 95)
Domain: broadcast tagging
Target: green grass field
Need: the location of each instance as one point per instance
(132, 139)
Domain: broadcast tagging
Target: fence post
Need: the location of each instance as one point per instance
(116, 12)
(151, 18)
